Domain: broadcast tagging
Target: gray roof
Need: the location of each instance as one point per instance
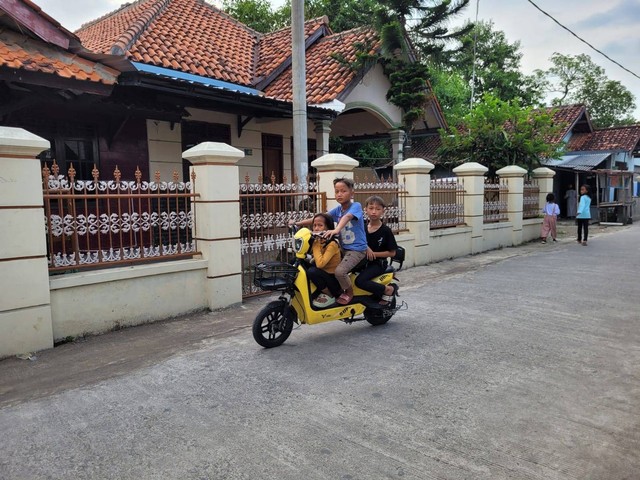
(582, 162)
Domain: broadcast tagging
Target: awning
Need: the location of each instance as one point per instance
(582, 162)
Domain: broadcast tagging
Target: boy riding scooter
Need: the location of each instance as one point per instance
(349, 218)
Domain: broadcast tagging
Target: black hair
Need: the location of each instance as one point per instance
(347, 181)
(587, 188)
(550, 197)
(375, 199)
(328, 220)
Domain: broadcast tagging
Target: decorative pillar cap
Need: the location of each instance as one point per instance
(414, 165)
(470, 169)
(543, 172)
(333, 162)
(18, 141)
(511, 171)
(213, 152)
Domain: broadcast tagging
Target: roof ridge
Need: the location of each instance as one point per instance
(131, 34)
(323, 20)
(617, 127)
(234, 20)
(351, 30)
(124, 6)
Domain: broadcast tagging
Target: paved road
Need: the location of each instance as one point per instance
(522, 363)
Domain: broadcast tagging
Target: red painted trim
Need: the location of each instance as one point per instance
(35, 22)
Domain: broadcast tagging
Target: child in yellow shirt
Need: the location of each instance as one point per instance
(326, 254)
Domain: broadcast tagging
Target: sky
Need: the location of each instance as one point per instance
(611, 26)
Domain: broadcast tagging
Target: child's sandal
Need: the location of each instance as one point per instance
(344, 299)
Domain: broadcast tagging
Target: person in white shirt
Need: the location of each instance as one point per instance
(551, 212)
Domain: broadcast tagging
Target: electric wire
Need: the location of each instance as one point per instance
(584, 41)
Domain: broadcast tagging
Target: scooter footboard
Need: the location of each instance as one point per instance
(384, 279)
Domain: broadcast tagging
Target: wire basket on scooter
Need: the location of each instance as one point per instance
(274, 275)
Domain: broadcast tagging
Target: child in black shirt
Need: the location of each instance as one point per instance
(381, 244)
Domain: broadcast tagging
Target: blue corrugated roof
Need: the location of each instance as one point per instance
(191, 78)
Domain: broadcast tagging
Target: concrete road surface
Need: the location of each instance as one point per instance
(522, 363)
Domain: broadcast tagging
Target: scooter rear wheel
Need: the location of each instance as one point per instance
(272, 327)
(379, 316)
(375, 317)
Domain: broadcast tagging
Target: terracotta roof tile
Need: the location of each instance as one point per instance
(37, 56)
(426, 147)
(275, 48)
(615, 138)
(566, 116)
(177, 34)
(195, 37)
(326, 77)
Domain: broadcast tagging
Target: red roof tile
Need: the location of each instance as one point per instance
(197, 38)
(426, 147)
(19, 52)
(327, 78)
(615, 138)
(186, 35)
(567, 116)
(275, 48)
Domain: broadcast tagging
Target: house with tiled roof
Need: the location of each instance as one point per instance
(189, 73)
(43, 70)
(589, 150)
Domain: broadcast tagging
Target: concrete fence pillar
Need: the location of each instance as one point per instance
(322, 130)
(25, 306)
(330, 167)
(217, 219)
(398, 137)
(472, 175)
(544, 177)
(514, 176)
(415, 174)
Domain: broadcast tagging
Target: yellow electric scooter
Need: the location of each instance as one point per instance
(274, 322)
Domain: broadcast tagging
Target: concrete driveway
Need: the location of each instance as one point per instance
(523, 363)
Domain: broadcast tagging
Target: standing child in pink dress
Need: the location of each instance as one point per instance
(551, 212)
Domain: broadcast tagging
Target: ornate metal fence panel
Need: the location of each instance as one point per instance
(97, 223)
(495, 201)
(447, 203)
(531, 200)
(265, 212)
(394, 195)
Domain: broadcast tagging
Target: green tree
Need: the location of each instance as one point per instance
(497, 133)
(452, 91)
(343, 15)
(492, 65)
(425, 22)
(576, 79)
(256, 14)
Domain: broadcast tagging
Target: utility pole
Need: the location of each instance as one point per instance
(299, 83)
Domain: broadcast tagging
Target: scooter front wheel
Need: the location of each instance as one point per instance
(272, 327)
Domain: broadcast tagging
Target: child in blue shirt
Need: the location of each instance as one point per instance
(584, 214)
(349, 220)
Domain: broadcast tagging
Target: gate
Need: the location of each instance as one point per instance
(265, 212)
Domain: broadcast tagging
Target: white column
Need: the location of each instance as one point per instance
(397, 144)
(25, 305)
(415, 174)
(544, 177)
(515, 198)
(472, 175)
(323, 130)
(330, 167)
(217, 219)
